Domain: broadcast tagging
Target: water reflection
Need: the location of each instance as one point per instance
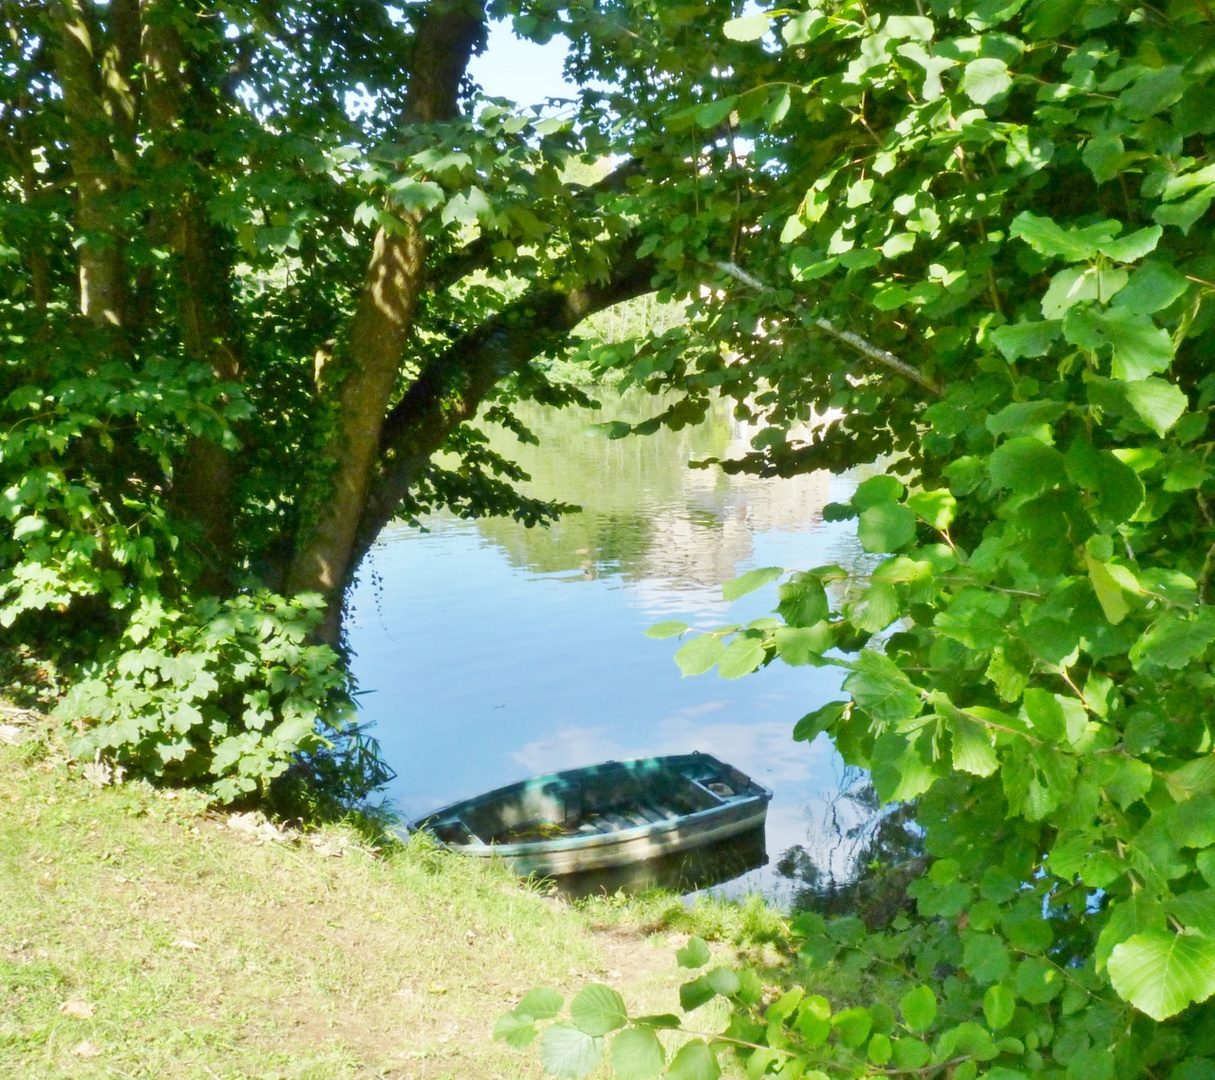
(687, 871)
(489, 652)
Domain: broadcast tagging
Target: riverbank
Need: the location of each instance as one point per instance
(143, 935)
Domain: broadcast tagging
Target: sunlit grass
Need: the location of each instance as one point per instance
(142, 937)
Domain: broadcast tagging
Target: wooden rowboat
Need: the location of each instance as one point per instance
(609, 815)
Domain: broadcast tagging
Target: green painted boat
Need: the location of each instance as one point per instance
(602, 816)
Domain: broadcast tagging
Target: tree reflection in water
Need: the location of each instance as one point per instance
(860, 857)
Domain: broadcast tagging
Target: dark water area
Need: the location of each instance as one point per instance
(488, 652)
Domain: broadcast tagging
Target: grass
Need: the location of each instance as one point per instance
(143, 937)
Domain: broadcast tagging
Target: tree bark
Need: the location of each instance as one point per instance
(445, 39)
(102, 286)
(206, 477)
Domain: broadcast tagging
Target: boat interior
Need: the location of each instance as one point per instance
(605, 799)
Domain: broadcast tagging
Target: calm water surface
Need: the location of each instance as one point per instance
(488, 652)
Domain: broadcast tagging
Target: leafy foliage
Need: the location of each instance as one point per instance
(227, 695)
(983, 251)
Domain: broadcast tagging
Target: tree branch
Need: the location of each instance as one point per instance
(853, 341)
(451, 388)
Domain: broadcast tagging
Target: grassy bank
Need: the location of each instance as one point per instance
(144, 936)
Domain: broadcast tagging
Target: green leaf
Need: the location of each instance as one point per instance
(598, 1009)
(803, 601)
(886, 527)
(822, 719)
(658, 1020)
(1125, 780)
(749, 582)
(1184, 214)
(1192, 823)
(1108, 589)
(1134, 246)
(985, 79)
(877, 609)
(1050, 19)
(972, 749)
(666, 629)
(1158, 403)
(853, 1026)
(1067, 289)
(1026, 465)
(999, 1004)
(985, 956)
(880, 1050)
(919, 1008)
(876, 490)
(1038, 981)
(417, 196)
(636, 1054)
(1048, 238)
(695, 993)
(1173, 640)
(1016, 340)
(516, 1030)
(1153, 92)
(1140, 347)
(568, 1053)
(1026, 418)
(723, 981)
(936, 507)
(694, 1061)
(748, 28)
(1118, 487)
(798, 645)
(912, 27)
(1194, 778)
(1160, 973)
(694, 954)
(967, 1040)
(742, 657)
(715, 112)
(882, 690)
(700, 654)
(911, 1054)
(542, 1003)
(1152, 287)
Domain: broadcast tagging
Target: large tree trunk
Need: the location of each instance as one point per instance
(375, 345)
(102, 277)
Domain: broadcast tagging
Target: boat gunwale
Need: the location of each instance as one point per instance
(760, 796)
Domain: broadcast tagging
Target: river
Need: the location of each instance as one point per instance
(487, 652)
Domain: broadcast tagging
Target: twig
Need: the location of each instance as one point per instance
(881, 356)
(853, 341)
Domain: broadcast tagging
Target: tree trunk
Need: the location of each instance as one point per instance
(102, 286)
(205, 479)
(444, 43)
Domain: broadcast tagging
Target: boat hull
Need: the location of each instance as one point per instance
(623, 849)
(713, 802)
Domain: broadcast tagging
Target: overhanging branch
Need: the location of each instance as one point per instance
(854, 341)
(451, 388)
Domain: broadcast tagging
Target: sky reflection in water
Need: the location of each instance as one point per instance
(489, 652)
